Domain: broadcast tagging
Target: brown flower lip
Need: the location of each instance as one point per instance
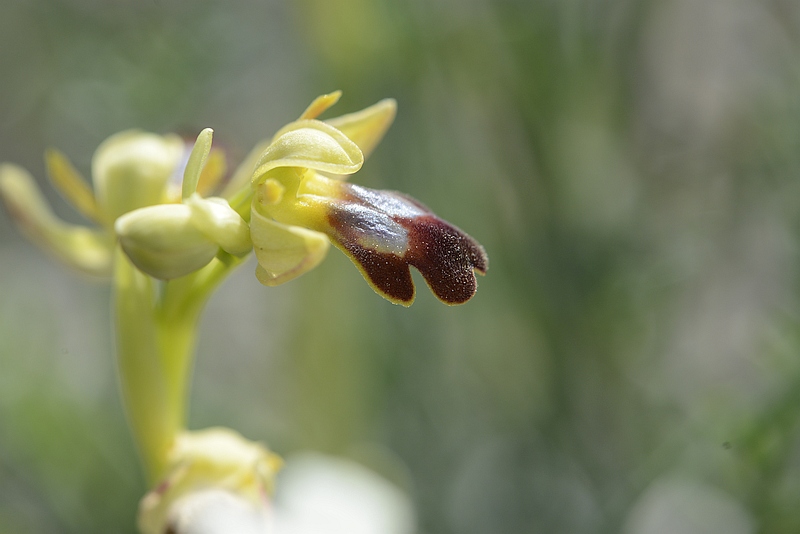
(385, 232)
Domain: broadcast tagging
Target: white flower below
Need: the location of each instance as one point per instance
(210, 491)
(213, 511)
(317, 494)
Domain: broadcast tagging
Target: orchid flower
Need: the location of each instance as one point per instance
(297, 209)
(300, 203)
(167, 244)
(223, 483)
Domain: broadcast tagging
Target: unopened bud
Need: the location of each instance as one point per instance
(131, 170)
(163, 241)
(214, 476)
(172, 240)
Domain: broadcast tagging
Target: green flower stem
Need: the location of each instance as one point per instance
(155, 345)
(240, 202)
(145, 389)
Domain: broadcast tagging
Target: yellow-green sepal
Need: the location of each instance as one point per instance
(320, 105)
(367, 127)
(87, 250)
(72, 186)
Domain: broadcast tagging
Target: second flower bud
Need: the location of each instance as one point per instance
(168, 241)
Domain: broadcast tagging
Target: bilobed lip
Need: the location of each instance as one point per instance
(403, 233)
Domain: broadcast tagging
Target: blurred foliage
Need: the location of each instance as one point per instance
(631, 363)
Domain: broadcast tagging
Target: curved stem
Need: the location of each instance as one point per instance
(155, 345)
(144, 383)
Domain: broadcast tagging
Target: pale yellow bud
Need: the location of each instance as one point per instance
(163, 241)
(131, 170)
(212, 470)
(171, 240)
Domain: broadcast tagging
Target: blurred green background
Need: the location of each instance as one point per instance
(631, 363)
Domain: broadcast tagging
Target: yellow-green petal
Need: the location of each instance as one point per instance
(72, 186)
(196, 163)
(367, 127)
(244, 172)
(310, 144)
(85, 249)
(213, 172)
(284, 252)
(320, 104)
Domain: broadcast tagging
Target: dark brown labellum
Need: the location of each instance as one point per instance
(385, 232)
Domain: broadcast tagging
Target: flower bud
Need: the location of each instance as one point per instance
(171, 240)
(213, 470)
(163, 241)
(131, 170)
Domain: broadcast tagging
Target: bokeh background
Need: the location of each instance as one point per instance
(631, 363)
